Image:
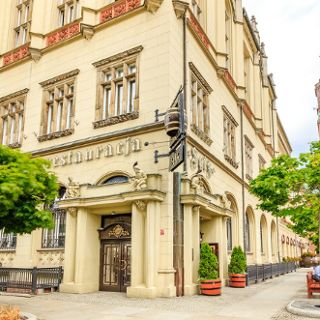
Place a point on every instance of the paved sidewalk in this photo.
(262, 301)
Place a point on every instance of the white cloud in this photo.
(290, 30)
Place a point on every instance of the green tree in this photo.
(26, 187)
(290, 187)
(208, 265)
(238, 262)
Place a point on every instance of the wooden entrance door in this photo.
(115, 273)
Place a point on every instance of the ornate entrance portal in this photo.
(115, 256)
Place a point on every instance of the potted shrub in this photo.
(208, 272)
(237, 268)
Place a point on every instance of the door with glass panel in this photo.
(115, 273)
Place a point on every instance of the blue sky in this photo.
(290, 30)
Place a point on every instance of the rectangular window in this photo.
(229, 137)
(23, 22)
(117, 90)
(57, 117)
(67, 11)
(12, 114)
(248, 158)
(200, 106)
(8, 241)
(55, 238)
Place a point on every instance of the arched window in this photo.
(261, 237)
(115, 180)
(229, 233)
(247, 244)
(273, 238)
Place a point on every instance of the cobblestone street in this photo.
(262, 301)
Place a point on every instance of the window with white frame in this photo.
(68, 11)
(55, 238)
(247, 243)
(12, 118)
(248, 147)
(229, 137)
(199, 105)
(229, 233)
(7, 240)
(23, 22)
(58, 106)
(117, 92)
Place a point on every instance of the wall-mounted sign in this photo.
(123, 148)
(176, 156)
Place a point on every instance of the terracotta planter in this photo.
(237, 280)
(211, 287)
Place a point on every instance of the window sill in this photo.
(9, 250)
(115, 120)
(15, 145)
(248, 253)
(202, 135)
(55, 135)
(50, 249)
(231, 161)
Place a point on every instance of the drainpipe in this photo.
(242, 176)
(178, 209)
(274, 148)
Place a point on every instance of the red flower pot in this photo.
(210, 287)
(237, 280)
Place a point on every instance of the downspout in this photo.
(242, 177)
(274, 148)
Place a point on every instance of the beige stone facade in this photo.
(80, 85)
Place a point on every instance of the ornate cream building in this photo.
(86, 84)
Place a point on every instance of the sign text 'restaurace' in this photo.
(124, 148)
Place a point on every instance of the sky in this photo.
(290, 30)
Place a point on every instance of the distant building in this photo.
(80, 85)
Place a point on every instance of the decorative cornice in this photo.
(13, 95)
(225, 74)
(16, 54)
(116, 119)
(108, 136)
(203, 136)
(118, 56)
(153, 5)
(180, 8)
(55, 135)
(117, 9)
(63, 33)
(60, 78)
(196, 27)
(200, 77)
(229, 115)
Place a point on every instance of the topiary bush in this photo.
(238, 262)
(208, 266)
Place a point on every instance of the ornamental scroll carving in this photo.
(139, 180)
(73, 189)
(200, 163)
(116, 231)
(63, 34)
(16, 55)
(117, 9)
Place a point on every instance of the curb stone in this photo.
(304, 308)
